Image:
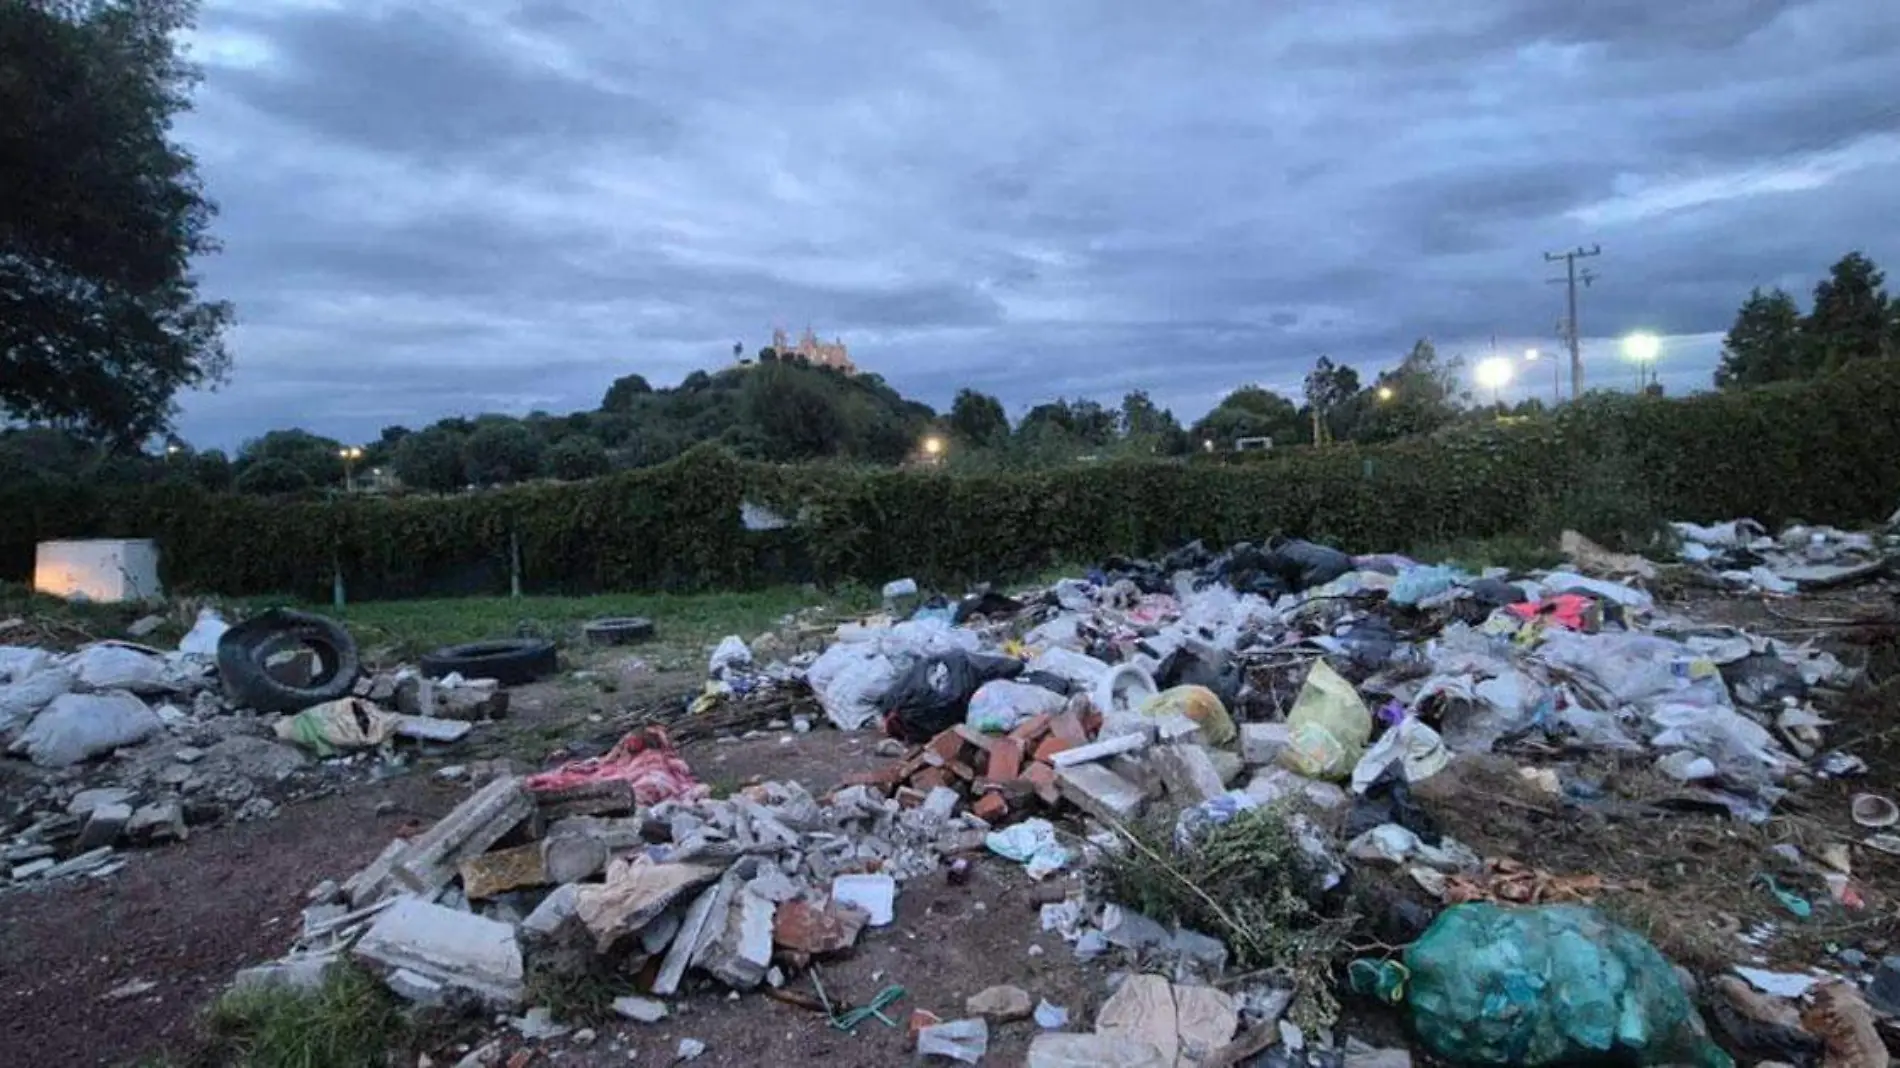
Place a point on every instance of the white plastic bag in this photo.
(20, 661)
(77, 726)
(110, 666)
(732, 652)
(202, 639)
(1000, 706)
(1081, 669)
(20, 700)
(849, 680)
(1418, 748)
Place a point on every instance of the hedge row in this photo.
(1826, 451)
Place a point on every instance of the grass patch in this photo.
(586, 997)
(1518, 552)
(349, 1022)
(1246, 882)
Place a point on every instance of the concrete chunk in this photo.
(104, 826)
(616, 833)
(301, 974)
(1261, 743)
(474, 826)
(430, 729)
(713, 899)
(373, 882)
(503, 870)
(1099, 792)
(743, 950)
(460, 950)
(569, 859)
(639, 1009)
(1187, 773)
(633, 896)
(85, 801)
(162, 822)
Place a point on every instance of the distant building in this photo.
(832, 354)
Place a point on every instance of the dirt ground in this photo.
(186, 918)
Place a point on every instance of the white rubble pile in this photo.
(1744, 556)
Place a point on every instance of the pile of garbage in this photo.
(1742, 555)
(122, 744)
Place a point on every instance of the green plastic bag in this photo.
(1328, 726)
(1538, 985)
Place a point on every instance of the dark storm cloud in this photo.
(435, 208)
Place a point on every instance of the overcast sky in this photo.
(501, 205)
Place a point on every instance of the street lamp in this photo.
(933, 446)
(1385, 393)
(1494, 374)
(350, 454)
(1643, 349)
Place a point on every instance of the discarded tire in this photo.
(510, 662)
(622, 631)
(246, 649)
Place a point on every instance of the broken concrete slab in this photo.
(1188, 774)
(300, 974)
(742, 950)
(373, 882)
(160, 822)
(468, 831)
(430, 729)
(634, 894)
(699, 915)
(85, 801)
(569, 859)
(103, 826)
(616, 833)
(1100, 792)
(460, 950)
(1058, 1050)
(417, 988)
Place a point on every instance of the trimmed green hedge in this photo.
(1825, 451)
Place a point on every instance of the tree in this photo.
(575, 458)
(431, 460)
(318, 457)
(1249, 412)
(269, 477)
(1328, 388)
(796, 417)
(212, 470)
(978, 420)
(498, 453)
(1417, 397)
(1765, 344)
(1851, 316)
(100, 318)
(624, 393)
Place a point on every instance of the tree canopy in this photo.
(1852, 318)
(101, 322)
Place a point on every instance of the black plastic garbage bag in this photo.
(1389, 800)
(934, 695)
(1048, 680)
(1305, 564)
(1216, 671)
(989, 604)
(1248, 569)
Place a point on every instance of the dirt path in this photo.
(185, 917)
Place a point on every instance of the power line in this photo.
(1569, 329)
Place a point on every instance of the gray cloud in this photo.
(435, 208)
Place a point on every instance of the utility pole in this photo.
(1571, 333)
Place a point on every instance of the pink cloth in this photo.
(645, 759)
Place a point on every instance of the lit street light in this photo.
(1385, 393)
(350, 455)
(1643, 350)
(933, 447)
(1494, 374)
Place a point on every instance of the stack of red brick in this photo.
(999, 775)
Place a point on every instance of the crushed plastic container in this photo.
(1540, 985)
(1197, 703)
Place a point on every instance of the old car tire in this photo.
(619, 631)
(245, 648)
(511, 661)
